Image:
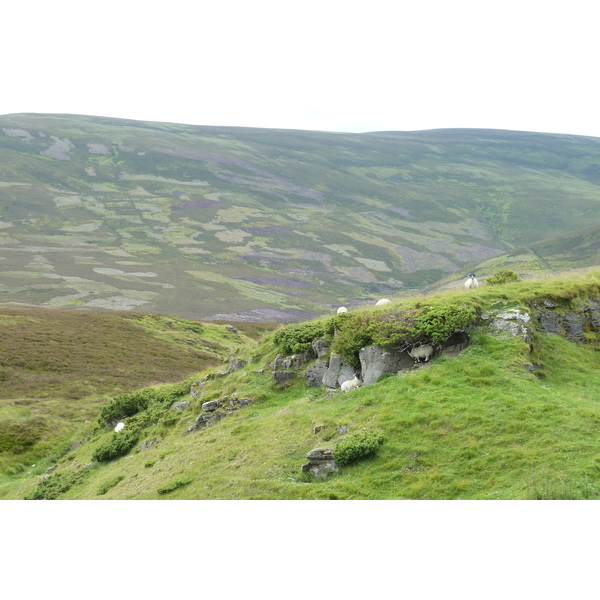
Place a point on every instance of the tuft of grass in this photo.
(175, 484)
(108, 485)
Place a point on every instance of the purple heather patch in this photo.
(278, 282)
(187, 204)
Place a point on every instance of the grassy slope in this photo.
(58, 367)
(478, 426)
(201, 221)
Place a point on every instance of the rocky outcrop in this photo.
(375, 361)
(314, 373)
(215, 410)
(337, 372)
(513, 321)
(571, 324)
(321, 463)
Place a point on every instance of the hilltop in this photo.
(255, 224)
(500, 412)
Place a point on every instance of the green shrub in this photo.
(109, 485)
(357, 446)
(54, 485)
(173, 485)
(397, 329)
(127, 405)
(119, 444)
(440, 322)
(298, 338)
(504, 276)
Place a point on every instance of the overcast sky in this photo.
(367, 65)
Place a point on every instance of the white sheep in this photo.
(119, 426)
(421, 352)
(342, 309)
(382, 302)
(350, 384)
(471, 282)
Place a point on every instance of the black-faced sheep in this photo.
(471, 282)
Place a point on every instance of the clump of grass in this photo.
(175, 484)
(109, 484)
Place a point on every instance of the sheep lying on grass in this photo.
(119, 426)
(420, 352)
(342, 309)
(351, 384)
(471, 282)
(382, 302)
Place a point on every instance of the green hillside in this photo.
(503, 419)
(258, 224)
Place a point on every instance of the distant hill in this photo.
(265, 224)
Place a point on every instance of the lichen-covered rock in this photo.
(320, 463)
(210, 406)
(513, 321)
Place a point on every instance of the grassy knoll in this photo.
(476, 426)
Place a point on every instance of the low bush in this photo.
(109, 485)
(298, 338)
(173, 485)
(397, 329)
(119, 444)
(127, 405)
(51, 487)
(357, 446)
(504, 276)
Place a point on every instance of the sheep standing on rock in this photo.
(471, 282)
(382, 302)
(351, 384)
(421, 352)
(342, 309)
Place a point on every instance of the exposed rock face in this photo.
(215, 410)
(513, 321)
(210, 406)
(570, 324)
(375, 361)
(337, 372)
(320, 463)
(321, 347)
(180, 405)
(236, 364)
(314, 374)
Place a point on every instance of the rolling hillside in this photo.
(255, 224)
(513, 415)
